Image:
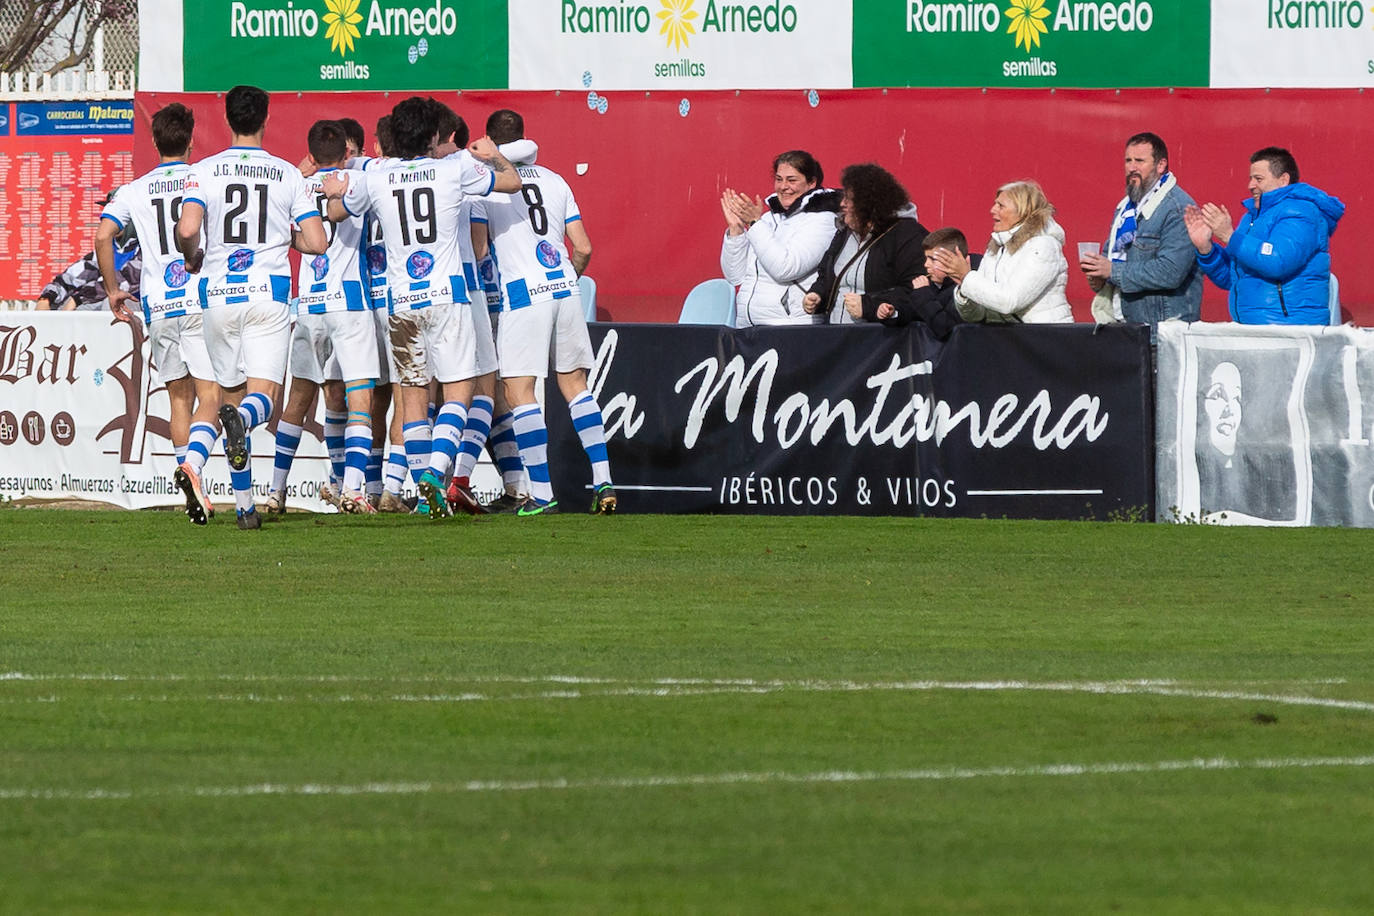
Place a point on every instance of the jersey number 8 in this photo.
(539, 217)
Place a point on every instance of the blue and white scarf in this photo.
(1124, 222)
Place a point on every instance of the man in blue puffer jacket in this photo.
(1276, 262)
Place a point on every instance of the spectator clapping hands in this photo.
(740, 211)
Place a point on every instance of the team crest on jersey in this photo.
(548, 255)
(241, 259)
(376, 259)
(320, 266)
(419, 264)
(175, 276)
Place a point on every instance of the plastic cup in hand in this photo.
(1087, 248)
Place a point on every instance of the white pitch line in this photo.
(578, 679)
(934, 774)
(309, 678)
(671, 687)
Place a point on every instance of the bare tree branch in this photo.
(28, 26)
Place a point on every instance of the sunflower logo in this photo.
(342, 18)
(1025, 18)
(677, 16)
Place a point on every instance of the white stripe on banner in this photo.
(161, 38)
(1034, 492)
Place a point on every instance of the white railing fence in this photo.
(33, 86)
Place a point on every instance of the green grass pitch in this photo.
(683, 715)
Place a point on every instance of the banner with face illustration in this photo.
(1265, 425)
(1012, 421)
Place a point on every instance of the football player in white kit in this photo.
(453, 138)
(388, 447)
(249, 205)
(171, 310)
(334, 343)
(417, 199)
(542, 307)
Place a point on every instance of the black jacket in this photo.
(932, 304)
(894, 259)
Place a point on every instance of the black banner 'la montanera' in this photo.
(1015, 421)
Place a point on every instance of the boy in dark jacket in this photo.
(933, 301)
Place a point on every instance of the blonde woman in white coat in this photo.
(1023, 274)
(772, 247)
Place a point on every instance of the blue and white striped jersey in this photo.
(374, 251)
(334, 281)
(251, 200)
(526, 231)
(417, 202)
(152, 202)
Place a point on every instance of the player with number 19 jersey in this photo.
(417, 202)
(251, 200)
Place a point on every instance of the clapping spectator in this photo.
(1276, 263)
(1023, 275)
(772, 247)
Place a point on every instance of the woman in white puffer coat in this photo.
(1023, 274)
(772, 247)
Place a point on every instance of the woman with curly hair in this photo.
(772, 246)
(875, 254)
(1023, 274)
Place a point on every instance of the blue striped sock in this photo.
(198, 447)
(242, 482)
(334, 443)
(475, 433)
(591, 429)
(448, 432)
(505, 453)
(288, 441)
(255, 409)
(532, 438)
(357, 451)
(373, 475)
(395, 476)
(419, 442)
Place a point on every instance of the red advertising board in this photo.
(648, 169)
(57, 162)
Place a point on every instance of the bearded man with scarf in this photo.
(1149, 270)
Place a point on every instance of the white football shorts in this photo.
(526, 337)
(178, 348)
(435, 342)
(334, 346)
(247, 341)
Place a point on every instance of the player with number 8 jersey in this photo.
(542, 310)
